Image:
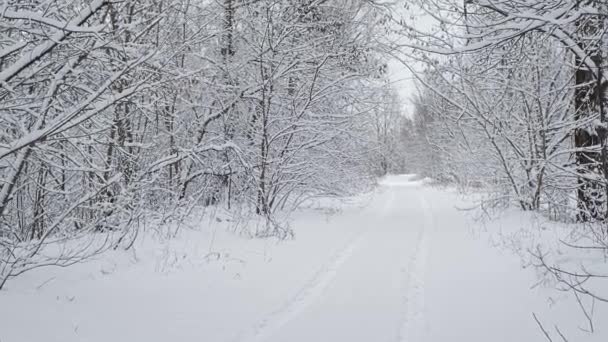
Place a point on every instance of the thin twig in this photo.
(541, 327)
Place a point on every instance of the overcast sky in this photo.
(400, 75)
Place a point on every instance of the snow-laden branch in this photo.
(71, 26)
(48, 45)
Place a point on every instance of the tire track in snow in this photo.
(265, 328)
(414, 325)
(390, 202)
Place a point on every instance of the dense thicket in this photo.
(114, 111)
(513, 98)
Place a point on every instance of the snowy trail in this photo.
(370, 286)
(414, 324)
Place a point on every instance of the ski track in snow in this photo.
(314, 289)
(305, 297)
(413, 327)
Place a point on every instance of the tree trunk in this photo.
(591, 195)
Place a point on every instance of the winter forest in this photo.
(303, 170)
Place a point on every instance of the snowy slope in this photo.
(403, 265)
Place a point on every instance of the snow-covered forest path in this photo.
(368, 290)
(406, 265)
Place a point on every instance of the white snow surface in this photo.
(403, 264)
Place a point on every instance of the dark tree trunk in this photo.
(591, 163)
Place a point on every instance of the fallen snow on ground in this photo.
(402, 264)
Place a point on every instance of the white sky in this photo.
(399, 74)
(403, 80)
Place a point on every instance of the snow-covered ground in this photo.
(402, 264)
